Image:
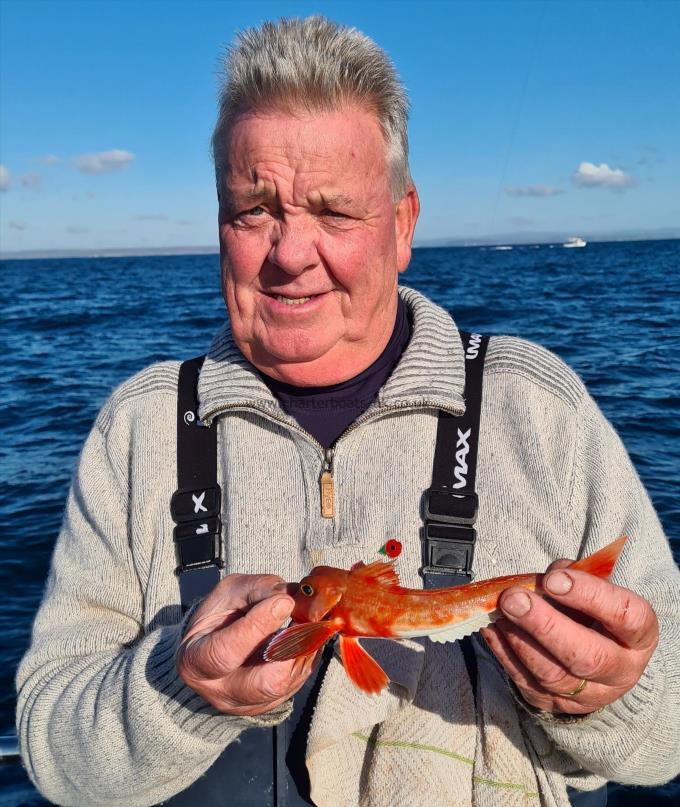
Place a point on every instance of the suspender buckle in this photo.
(446, 506)
(189, 504)
(198, 543)
(449, 549)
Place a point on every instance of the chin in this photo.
(295, 346)
(278, 355)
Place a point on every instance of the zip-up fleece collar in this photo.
(430, 373)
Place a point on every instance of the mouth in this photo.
(294, 301)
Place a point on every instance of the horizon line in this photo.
(511, 240)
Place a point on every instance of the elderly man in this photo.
(322, 399)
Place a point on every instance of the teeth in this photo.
(291, 300)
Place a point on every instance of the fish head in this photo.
(318, 593)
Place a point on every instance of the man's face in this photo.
(311, 243)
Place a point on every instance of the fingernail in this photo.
(517, 604)
(281, 609)
(558, 583)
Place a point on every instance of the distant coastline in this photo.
(509, 239)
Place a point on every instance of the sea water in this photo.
(75, 328)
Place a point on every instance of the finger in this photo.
(232, 596)
(501, 648)
(271, 682)
(625, 615)
(531, 689)
(224, 651)
(545, 669)
(242, 591)
(257, 689)
(562, 563)
(582, 651)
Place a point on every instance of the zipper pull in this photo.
(326, 483)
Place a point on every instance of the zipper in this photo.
(326, 486)
(326, 482)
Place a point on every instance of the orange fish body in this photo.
(368, 601)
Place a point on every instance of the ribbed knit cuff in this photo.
(607, 740)
(543, 715)
(188, 709)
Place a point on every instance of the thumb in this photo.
(562, 563)
(223, 651)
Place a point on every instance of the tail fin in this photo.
(602, 562)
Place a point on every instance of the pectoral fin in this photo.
(363, 671)
(299, 640)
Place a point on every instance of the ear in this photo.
(405, 218)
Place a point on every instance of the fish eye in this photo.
(307, 590)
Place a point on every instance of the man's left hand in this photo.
(549, 654)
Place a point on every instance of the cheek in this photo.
(358, 260)
(242, 255)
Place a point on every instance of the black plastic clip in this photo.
(449, 549)
(446, 506)
(195, 504)
(198, 543)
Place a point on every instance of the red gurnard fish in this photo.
(368, 601)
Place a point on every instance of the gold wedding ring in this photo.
(576, 691)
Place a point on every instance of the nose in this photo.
(293, 247)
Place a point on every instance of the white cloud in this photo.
(533, 190)
(30, 180)
(17, 225)
(104, 161)
(4, 178)
(50, 159)
(589, 175)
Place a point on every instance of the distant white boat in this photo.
(502, 248)
(574, 242)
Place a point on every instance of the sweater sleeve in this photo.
(102, 715)
(634, 740)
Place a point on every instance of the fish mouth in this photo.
(292, 589)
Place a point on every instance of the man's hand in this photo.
(548, 653)
(216, 658)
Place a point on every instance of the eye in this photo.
(307, 590)
(246, 217)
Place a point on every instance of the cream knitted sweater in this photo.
(102, 716)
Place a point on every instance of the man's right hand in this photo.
(216, 659)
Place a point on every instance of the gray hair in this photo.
(314, 64)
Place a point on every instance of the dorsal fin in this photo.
(379, 572)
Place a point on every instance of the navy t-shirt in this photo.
(325, 412)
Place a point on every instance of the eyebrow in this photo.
(253, 195)
(337, 199)
(248, 196)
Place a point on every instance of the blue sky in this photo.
(528, 117)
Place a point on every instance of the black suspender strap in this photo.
(451, 503)
(195, 505)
